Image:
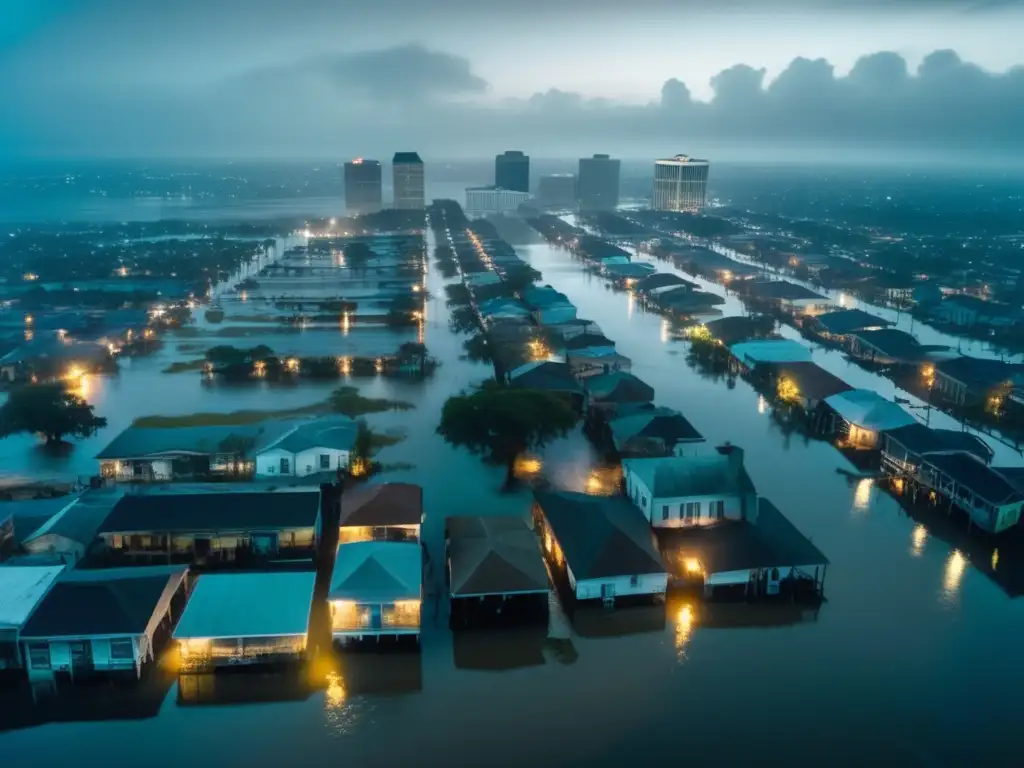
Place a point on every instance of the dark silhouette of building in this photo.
(598, 183)
(512, 171)
(408, 181)
(363, 186)
(557, 191)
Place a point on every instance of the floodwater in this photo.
(914, 658)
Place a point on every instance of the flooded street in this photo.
(912, 656)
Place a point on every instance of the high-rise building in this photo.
(408, 181)
(512, 171)
(484, 200)
(557, 191)
(363, 186)
(680, 184)
(598, 183)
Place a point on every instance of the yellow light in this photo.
(726, 275)
(193, 646)
(862, 496)
(345, 323)
(528, 465)
(148, 333)
(345, 363)
(955, 566)
(336, 693)
(292, 364)
(29, 319)
(30, 276)
(123, 272)
(762, 404)
(787, 390)
(75, 372)
(684, 626)
(594, 484)
(379, 365)
(630, 282)
(417, 315)
(244, 296)
(693, 566)
(918, 539)
(417, 288)
(260, 367)
(897, 484)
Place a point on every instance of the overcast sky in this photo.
(325, 78)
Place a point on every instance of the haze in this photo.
(453, 78)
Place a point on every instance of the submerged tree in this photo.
(49, 410)
(500, 423)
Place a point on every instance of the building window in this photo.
(39, 655)
(664, 512)
(285, 467)
(325, 461)
(643, 500)
(122, 649)
(634, 581)
(719, 509)
(696, 509)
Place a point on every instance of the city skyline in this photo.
(113, 78)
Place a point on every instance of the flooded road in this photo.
(913, 658)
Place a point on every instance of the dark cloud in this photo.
(371, 102)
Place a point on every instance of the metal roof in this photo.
(868, 410)
(672, 476)
(770, 351)
(849, 320)
(378, 572)
(21, 590)
(232, 605)
(382, 504)
(142, 442)
(494, 555)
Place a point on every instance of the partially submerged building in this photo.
(786, 296)
(859, 416)
(104, 621)
(608, 391)
(653, 431)
(242, 528)
(381, 512)
(68, 535)
(989, 500)
(495, 570)
(839, 325)
(549, 376)
(747, 356)
(601, 544)
(309, 448)
(904, 448)
(805, 384)
(22, 588)
(246, 618)
(376, 590)
(977, 381)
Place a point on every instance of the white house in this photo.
(21, 590)
(602, 545)
(324, 445)
(677, 492)
(110, 620)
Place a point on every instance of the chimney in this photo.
(748, 495)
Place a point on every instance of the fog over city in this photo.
(455, 79)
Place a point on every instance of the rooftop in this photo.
(600, 536)
(973, 474)
(80, 519)
(849, 320)
(117, 601)
(378, 572)
(619, 387)
(141, 442)
(812, 381)
(382, 504)
(898, 345)
(770, 351)
(782, 290)
(336, 432)
(214, 512)
(868, 410)
(407, 157)
(979, 372)
(494, 555)
(21, 589)
(661, 280)
(584, 340)
(921, 440)
(233, 605)
(672, 476)
(730, 330)
(544, 374)
(773, 541)
(664, 424)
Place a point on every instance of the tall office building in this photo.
(512, 171)
(680, 184)
(408, 181)
(363, 186)
(481, 201)
(557, 191)
(598, 183)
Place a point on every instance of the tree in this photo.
(414, 351)
(362, 449)
(50, 410)
(499, 423)
(357, 255)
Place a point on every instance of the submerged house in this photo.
(254, 526)
(748, 356)
(762, 555)
(376, 590)
(904, 448)
(889, 346)
(547, 305)
(676, 492)
(642, 431)
(990, 501)
(602, 545)
(786, 296)
(977, 381)
(963, 311)
(246, 618)
(22, 588)
(839, 325)
(731, 330)
(608, 391)
(157, 454)
(660, 281)
(859, 416)
(67, 536)
(805, 384)
(104, 621)
(381, 512)
(495, 570)
(322, 445)
(550, 376)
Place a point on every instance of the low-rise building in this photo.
(481, 201)
(888, 346)
(381, 512)
(495, 570)
(963, 311)
(601, 545)
(989, 500)
(786, 296)
(976, 381)
(103, 621)
(236, 529)
(859, 416)
(323, 445)
(376, 590)
(654, 431)
(246, 618)
(904, 448)
(805, 384)
(676, 492)
(837, 326)
(747, 356)
(22, 588)
(549, 376)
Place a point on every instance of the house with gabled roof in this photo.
(376, 590)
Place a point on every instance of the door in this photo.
(773, 582)
(264, 543)
(202, 547)
(607, 592)
(376, 620)
(81, 657)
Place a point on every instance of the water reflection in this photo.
(684, 628)
(762, 405)
(501, 649)
(630, 305)
(666, 331)
(918, 539)
(862, 496)
(244, 687)
(955, 566)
